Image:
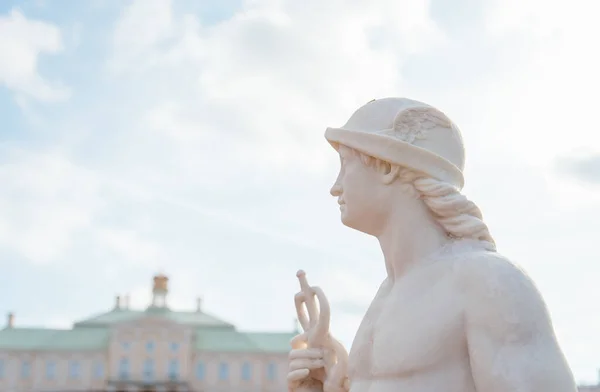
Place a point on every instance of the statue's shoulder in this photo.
(499, 299)
(488, 274)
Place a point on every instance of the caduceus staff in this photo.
(316, 334)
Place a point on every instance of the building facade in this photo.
(152, 350)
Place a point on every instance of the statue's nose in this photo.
(336, 190)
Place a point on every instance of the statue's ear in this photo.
(391, 174)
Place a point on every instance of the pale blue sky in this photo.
(158, 135)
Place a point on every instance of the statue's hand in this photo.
(315, 369)
(306, 364)
(317, 362)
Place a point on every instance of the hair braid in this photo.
(459, 216)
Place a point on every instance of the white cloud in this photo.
(533, 16)
(45, 200)
(49, 203)
(583, 167)
(129, 246)
(22, 41)
(142, 27)
(231, 77)
(552, 94)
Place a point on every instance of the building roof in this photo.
(222, 340)
(39, 339)
(211, 333)
(116, 316)
(230, 340)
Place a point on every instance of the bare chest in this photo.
(413, 327)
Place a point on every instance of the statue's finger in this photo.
(297, 375)
(302, 363)
(306, 353)
(299, 301)
(297, 342)
(311, 307)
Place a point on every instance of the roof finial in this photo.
(10, 320)
(159, 290)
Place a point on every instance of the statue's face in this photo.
(362, 195)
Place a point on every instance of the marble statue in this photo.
(452, 315)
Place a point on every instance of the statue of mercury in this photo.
(452, 314)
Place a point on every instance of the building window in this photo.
(173, 369)
(124, 369)
(200, 371)
(25, 369)
(2, 364)
(74, 369)
(50, 370)
(98, 370)
(246, 371)
(223, 371)
(150, 347)
(271, 371)
(125, 346)
(174, 346)
(148, 370)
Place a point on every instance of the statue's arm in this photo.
(511, 341)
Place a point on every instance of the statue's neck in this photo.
(409, 239)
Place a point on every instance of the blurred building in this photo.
(151, 350)
(590, 388)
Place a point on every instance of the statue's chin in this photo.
(351, 223)
(344, 217)
(357, 223)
